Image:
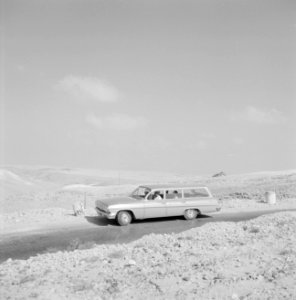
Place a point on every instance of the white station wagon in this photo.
(156, 201)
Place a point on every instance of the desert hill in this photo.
(25, 187)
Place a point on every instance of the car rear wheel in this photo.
(123, 218)
(190, 214)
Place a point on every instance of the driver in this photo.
(157, 196)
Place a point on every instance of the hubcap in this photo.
(125, 218)
(190, 213)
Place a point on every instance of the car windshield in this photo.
(140, 192)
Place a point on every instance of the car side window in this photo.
(173, 194)
(156, 195)
(201, 192)
(198, 192)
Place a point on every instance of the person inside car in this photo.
(157, 196)
(176, 195)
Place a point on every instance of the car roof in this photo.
(170, 186)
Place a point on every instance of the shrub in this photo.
(254, 229)
(73, 245)
(116, 254)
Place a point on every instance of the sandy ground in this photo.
(246, 260)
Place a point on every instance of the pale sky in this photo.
(194, 86)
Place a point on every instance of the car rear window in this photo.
(195, 192)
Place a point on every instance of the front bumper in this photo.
(108, 215)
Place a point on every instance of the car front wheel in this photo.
(190, 214)
(123, 218)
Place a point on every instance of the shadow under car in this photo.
(101, 221)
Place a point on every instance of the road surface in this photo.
(102, 231)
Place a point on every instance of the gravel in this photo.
(255, 259)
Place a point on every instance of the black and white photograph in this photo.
(148, 149)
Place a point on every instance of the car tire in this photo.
(190, 214)
(123, 218)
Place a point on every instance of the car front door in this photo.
(155, 207)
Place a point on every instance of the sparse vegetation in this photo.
(117, 254)
(27, 278)
(90, 259)
(285, 252)
(254, 229)
(82, 285)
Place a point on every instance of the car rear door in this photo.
(174, 202)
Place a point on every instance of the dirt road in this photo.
(102, 231)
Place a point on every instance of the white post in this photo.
(270, 197)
